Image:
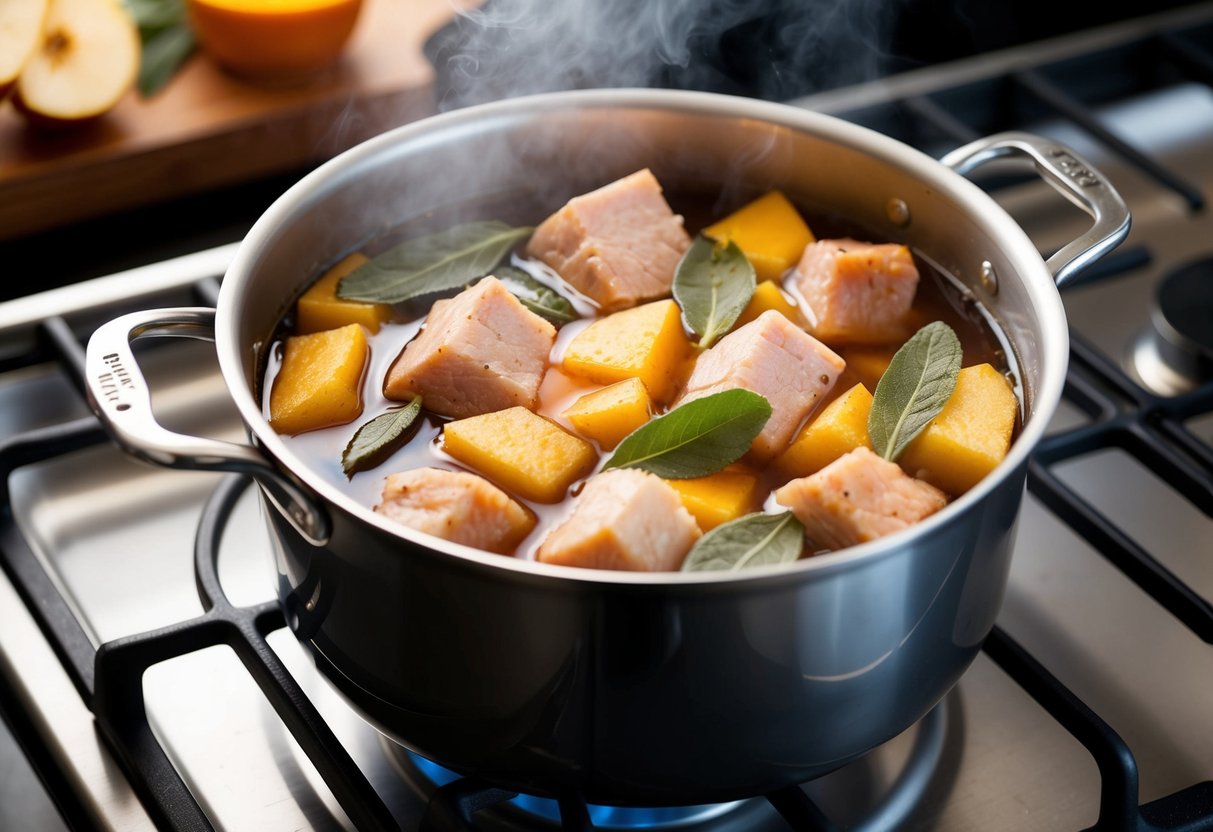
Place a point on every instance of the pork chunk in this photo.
(619, 244)
(858, 497)
(772, 357)
(457, 506)
(624, 519)
(479, 352)
(856, 291)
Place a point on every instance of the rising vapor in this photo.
(767, 49)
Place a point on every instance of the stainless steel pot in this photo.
(629, 688)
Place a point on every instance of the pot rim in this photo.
(1030, 270)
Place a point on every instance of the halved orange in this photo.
(280, 39)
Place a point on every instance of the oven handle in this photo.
(119, 395)
(1074, 178)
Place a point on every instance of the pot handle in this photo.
(1073, 178)
(119, 395)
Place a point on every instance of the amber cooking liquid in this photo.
(939, 297)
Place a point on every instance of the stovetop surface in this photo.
(117, 538)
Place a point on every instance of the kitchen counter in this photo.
(207, 129)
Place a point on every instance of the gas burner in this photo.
(859, 796)
(1175, 354)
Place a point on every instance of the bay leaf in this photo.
(377, 439)
(698, 438)
(915, 387)
(538, 297)
(754, 540)
(449, 259)
(712, 284)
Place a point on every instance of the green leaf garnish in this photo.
(538, 297)
(753, 540)
(377, 439)
(166, 40)
(918, 383)
(698, 438)
(163, 53)
(153, 15)
(449, 259)
(713, 284)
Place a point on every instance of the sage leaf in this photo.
(538, 297)
(698, 438)
(712, 284)
(377, 439)
(753, 540)
(437, 262)
(918, 383)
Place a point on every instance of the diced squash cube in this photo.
(971, 434)
(320, 381)
(319, 308)
(767, 295)
(609, 414)
(841, 427)
(720, 497)
(769, 230)
(646, 342)
(868, 363)
(523, 453)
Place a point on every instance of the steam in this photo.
(767, 49)
(524, 168)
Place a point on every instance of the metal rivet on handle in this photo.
(989, 278)
(898, 212)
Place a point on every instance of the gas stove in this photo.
(151, 677)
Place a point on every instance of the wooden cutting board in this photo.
(207, 129)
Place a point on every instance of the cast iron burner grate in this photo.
(111, 679)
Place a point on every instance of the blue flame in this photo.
(603, 817)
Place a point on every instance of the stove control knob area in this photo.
(1176, 353)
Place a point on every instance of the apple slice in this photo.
(20, 27)
(87, 59)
